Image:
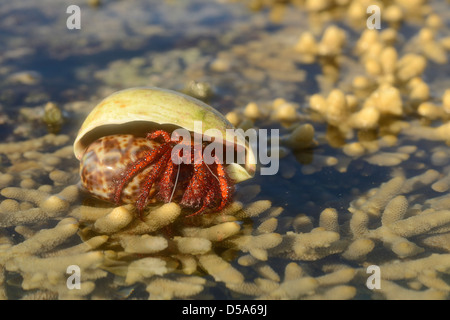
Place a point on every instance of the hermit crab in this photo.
(142, 145)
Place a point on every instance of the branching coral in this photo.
(398, 224)
(142, 269)
(114, 240)
(181, 287)
(220, 269)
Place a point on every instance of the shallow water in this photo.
(243, 56)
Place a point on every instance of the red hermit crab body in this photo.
(129, 155)
(125, 168)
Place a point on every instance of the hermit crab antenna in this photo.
(175, 184)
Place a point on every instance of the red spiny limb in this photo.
(166, 184)
(134, 168)
(196, 189)
(150, 180)
(207, 201)
(224, 185)
(159, 133)
(194, 193)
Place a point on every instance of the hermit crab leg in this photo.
(159, 133)
(196, 189)
(154, 174)
(135, 168)
(166, 184)
(206, 203)
(141, 164)
(198, 183)
(224, 185)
